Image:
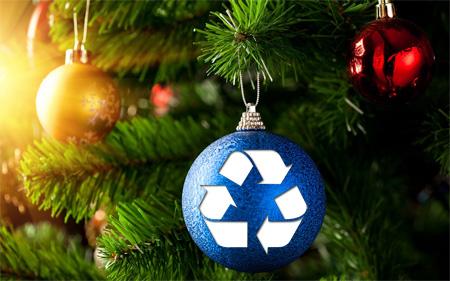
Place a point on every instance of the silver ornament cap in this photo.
(250, 120)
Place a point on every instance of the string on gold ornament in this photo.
(79, 51)
(85, 29)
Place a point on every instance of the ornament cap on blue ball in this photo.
(253, 201)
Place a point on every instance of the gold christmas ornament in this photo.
(78, 102)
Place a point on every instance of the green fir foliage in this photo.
(437, 138)
(359, 233)
(140, 157)
(270, 37)
(42, 252)
(299, 44)
(148, 241)
(249, 38)
(161, 32)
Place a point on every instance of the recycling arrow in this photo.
(279, 234)
(291, 203)
(216, 201)
(229, 234)
(268, 162)
(270, 165)
(276, 233)
(236, 168)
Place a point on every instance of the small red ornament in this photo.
(162, 98)
(38, 27)
(391, 61)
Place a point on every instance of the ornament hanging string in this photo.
(241, 80)
(85, 25)
(250, 119)
(86, 17)
(241, 83)
(75, 31)
(247, 105)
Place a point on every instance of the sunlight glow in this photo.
(3, 73)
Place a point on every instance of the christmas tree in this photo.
(179, 67)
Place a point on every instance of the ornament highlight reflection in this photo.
(391, 61)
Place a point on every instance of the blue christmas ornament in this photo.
(253, 201)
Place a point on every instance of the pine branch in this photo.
(436, 138)
(151, 50)
(126, 15)
(214, 271)
(155, 37)
(140, 241)
(138, 158)
(249, 38)
(327, 115)
(360, 224)
(279, 38)
(43, 252)
(148, 241)
(136, 37)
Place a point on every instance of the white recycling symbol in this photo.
(217, 200)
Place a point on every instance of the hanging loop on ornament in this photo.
(85, 26)
(76, 42)
(86, 20)
(247, 104)
(250, 119)
(385, 9)
(79, 53)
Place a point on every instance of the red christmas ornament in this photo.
(162, 98)
(38, 27)
(391, 61)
